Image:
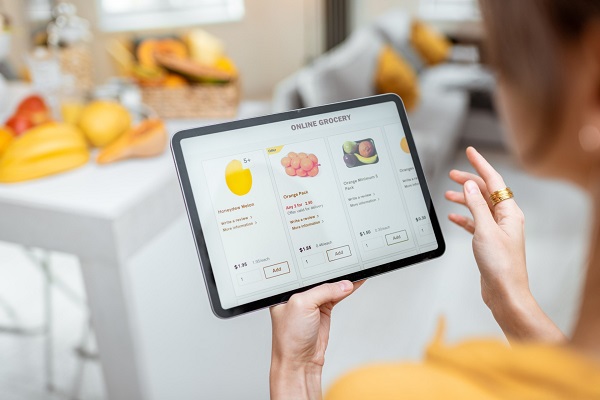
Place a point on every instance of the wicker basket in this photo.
(195, 101)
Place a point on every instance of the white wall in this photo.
(364, 11)
(367, 10)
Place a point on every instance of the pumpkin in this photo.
(149, 48)
(147, 139)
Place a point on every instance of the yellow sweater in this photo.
(477, 369)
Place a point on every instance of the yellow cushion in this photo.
(395, 75)
(431, 46)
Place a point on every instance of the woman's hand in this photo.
(499, 249)
(300, 337)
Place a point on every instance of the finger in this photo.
(478, 206)
(462, 221)
(493, 182)
(461, 177)
(322, 294)
(455, 197)
(459, 198)
(356, 286)
(492, 178)
(276, 310)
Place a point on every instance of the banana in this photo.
(44, 150)
(366, 160)
(43, 167)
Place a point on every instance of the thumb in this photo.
(478, 206)
(327, 293)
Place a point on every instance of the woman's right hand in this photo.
(300, 338)
(499, 249)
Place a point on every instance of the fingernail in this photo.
(471, 187)
(346, 286)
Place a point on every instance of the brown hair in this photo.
(526, 39)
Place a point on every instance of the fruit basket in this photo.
(194, 101)
(188, 76)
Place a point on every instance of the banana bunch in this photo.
(44, 150)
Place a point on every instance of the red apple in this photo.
(35, 109)
(32, 103)
(19, 123)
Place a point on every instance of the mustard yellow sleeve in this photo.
(403, 381)
(477, 369)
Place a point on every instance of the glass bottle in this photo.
(70, 35)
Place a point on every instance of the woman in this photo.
(547, 53)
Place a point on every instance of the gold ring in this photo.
(501, 195)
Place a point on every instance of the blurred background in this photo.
(101, 293)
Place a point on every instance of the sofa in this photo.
(347, 72)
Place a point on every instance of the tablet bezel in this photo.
(192, 212)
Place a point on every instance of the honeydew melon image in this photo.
(238, 178)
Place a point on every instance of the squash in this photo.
(193, 71)
(145, 53)
(149, 48)
(147, 139)
(172, 47)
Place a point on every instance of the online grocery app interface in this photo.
(297, 202)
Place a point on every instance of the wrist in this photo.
(522, 319)
(507, 303)
(295, 380)
(513, 309)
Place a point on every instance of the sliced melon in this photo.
(194, 71)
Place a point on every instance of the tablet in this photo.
(285, 202)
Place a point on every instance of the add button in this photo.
(277, 269)
(396, 237)
(338, 252)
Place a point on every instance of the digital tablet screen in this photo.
(292, 203)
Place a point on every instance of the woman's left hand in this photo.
(300, 337)
(499, 249)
